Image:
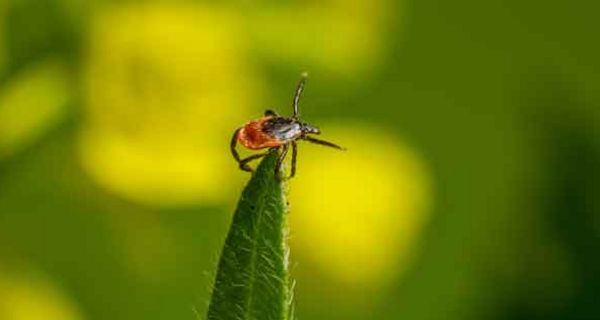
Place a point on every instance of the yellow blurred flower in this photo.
(30, 103)
(167, 84)
(343, 37)
(28, 296)
(357, 213)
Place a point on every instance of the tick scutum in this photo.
(283, 129)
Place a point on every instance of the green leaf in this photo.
(252, 279)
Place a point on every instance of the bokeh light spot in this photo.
(357, 213)
(342, 37)
(28, 296)
(167, 84)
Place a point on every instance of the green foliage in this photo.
(252, 279)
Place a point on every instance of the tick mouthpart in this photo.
(307, 128)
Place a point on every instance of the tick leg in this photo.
(323, 142)
(244, 162)
(271, 113)
(284, 151)
(299, 90)
(232, 145)
(294, 155)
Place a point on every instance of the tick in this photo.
(276, 132)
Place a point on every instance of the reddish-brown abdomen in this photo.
(252, 136)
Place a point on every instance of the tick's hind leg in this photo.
(244, 162)
(284, 151)
(232, 145)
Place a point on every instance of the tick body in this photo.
(274, 131)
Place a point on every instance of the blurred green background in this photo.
(470, 189)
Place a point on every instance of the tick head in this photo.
(309, 129)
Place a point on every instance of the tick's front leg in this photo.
(294, 155)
